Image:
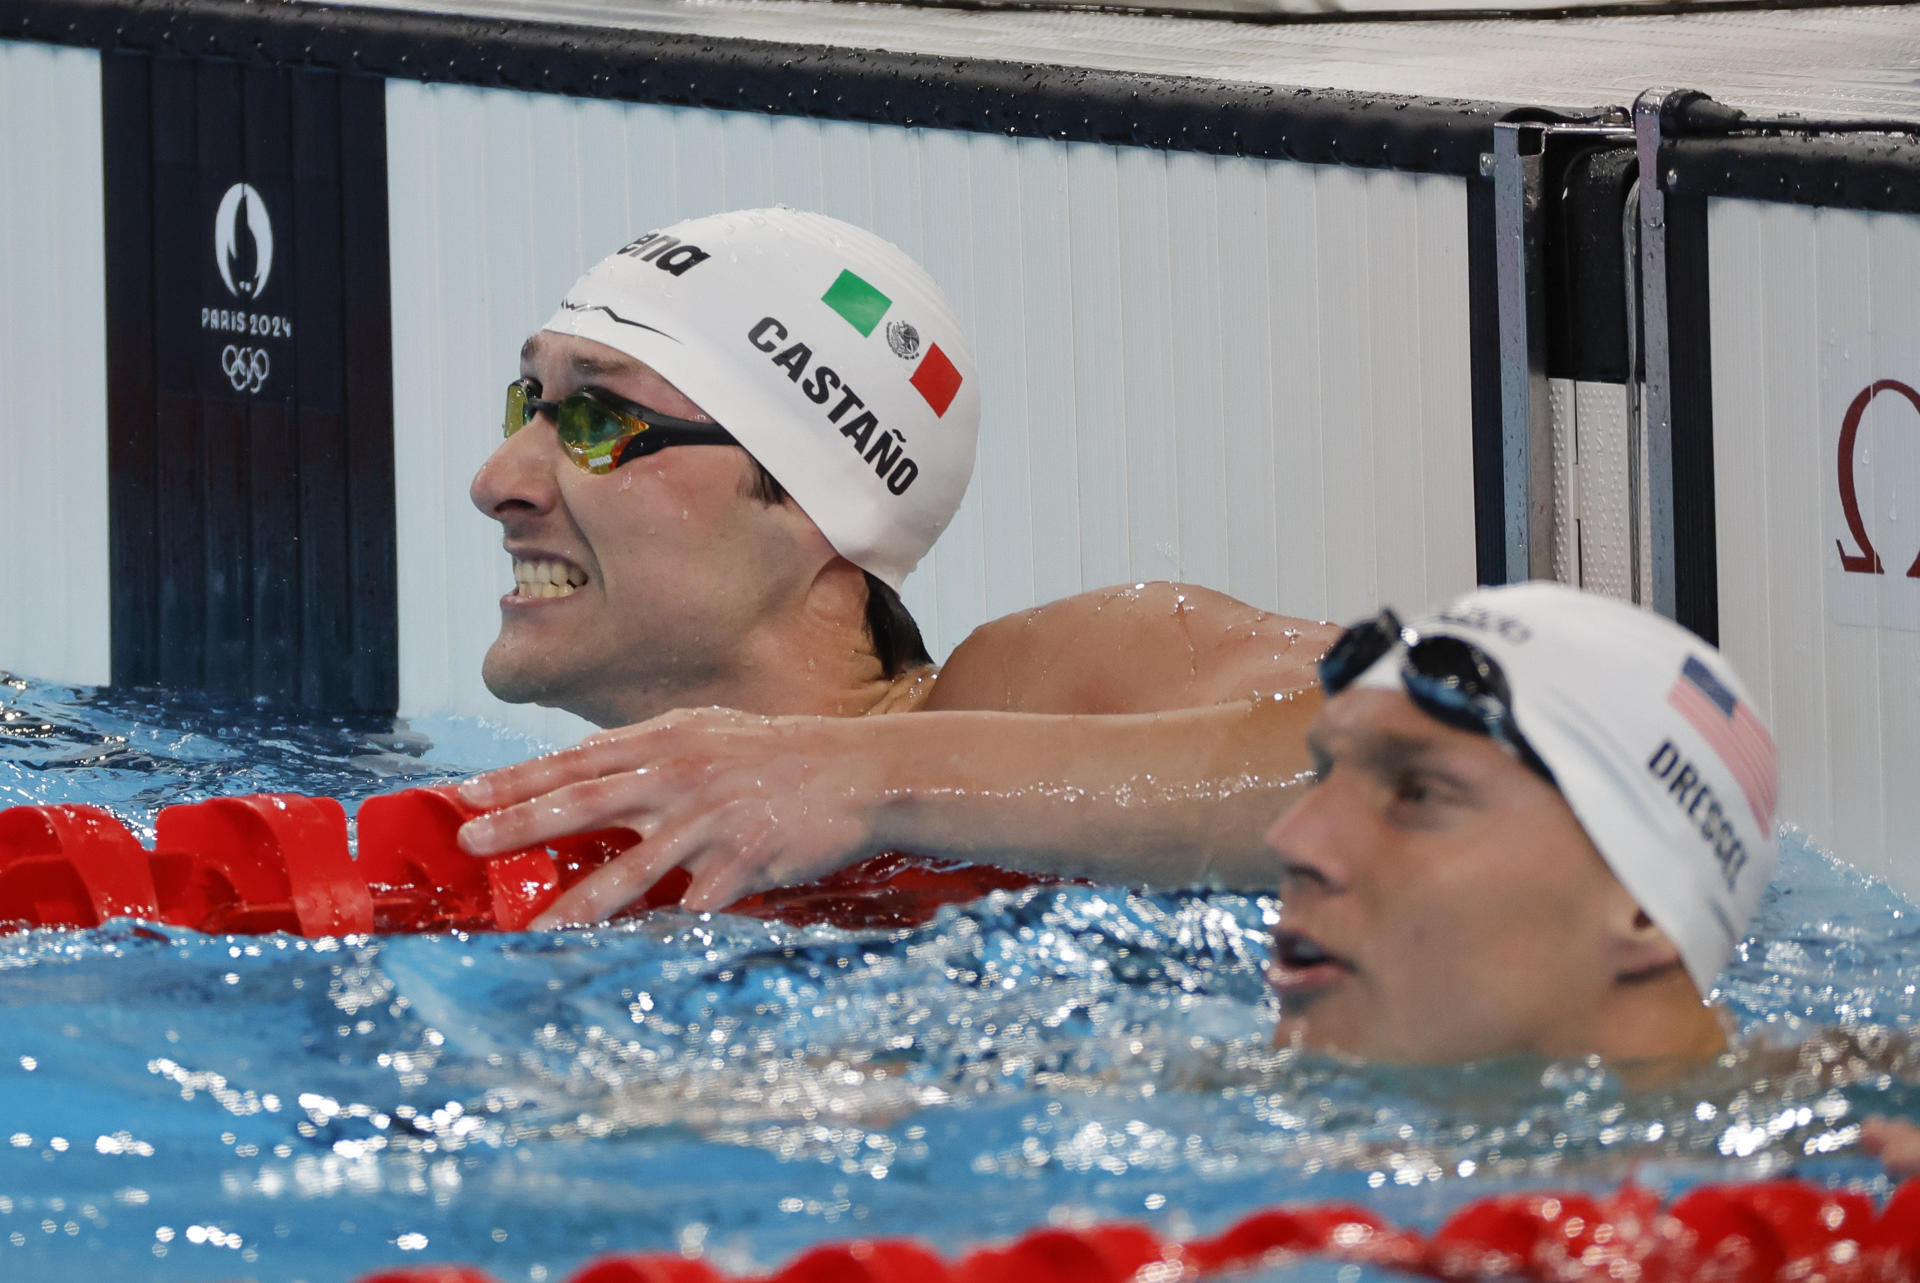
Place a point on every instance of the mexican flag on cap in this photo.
(863, 307)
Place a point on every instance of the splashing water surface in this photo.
(182, 1106)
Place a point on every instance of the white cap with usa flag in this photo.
(1653, 741)
(828, 353)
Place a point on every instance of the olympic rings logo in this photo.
(245, 367)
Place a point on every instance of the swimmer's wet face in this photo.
(1543, 822)
(643, 579)
(1440, 902)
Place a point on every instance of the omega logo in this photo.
(1867, 560)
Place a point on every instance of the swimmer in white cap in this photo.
(1542, 822)
(726, 450)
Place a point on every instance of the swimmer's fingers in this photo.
(722, 877)
(725, 849)
(608, 753)
(523, 781)
(1896, 1142)
(731, 851)
(612, 887)
(699, 845)
(630, 800)
(720, 880)
(757, 849)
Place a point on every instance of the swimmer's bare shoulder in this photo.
(1139, 648)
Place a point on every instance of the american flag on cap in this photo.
(1731, 729)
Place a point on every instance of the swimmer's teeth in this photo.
(546, 578)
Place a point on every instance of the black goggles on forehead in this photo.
(601, 431)
(1449, 679)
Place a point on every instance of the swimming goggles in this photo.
(1450, 680)
(601, 431)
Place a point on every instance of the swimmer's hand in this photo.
(743, 803)
(1895, 1142)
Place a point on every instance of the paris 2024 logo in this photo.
(243, 254)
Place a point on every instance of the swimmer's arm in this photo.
(1149, 733)
(1147, 648)
(746, 803)
(1135, 735)
(1167, 798)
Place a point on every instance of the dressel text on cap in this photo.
(884, 448)
(1691, 793)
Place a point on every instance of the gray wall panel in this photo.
(53, 487)
(1810, 308)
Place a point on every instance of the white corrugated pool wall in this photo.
(53, 336)
(1810, 308)
(1244, 374)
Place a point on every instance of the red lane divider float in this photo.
(281, 862)
(1772, 1232)
(72, 865)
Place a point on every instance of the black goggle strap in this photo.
(1358, 649)
(659, 433)
(1451, 680)
(1458, 684)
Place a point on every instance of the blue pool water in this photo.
(180, 1106)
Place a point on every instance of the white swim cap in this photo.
(826, 352)
(1654, 742)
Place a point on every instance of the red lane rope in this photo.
(1770, 1232)
(281, 862)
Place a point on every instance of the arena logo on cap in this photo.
(1483, 620)
(668, 253)
(863, 307)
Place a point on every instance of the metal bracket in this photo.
(1521, 169)
(1656, 398)
(1636, 432)
(1526, 414)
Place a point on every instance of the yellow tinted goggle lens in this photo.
(517, 415)
(595, 434)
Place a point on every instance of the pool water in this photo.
(182, 1106)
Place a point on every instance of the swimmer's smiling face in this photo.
(634, 590)
(1440, 902)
